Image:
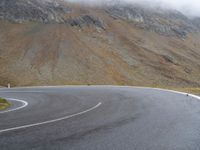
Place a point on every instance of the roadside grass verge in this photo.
(4, 104)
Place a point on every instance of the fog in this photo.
(188, 7)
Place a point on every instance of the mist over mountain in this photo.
(53, 42)
(163, 21)
(189, 8)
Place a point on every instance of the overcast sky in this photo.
(189, 7)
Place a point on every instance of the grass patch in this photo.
(4, 104)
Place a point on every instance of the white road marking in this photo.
(14, 109)
(183, 93)
(140, 87)
(51, 121)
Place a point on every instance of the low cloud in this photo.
(188, 7)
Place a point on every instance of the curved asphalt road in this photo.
(100, 118)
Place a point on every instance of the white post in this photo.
(9, 85)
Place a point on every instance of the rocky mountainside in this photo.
(165, 22)
(48, 42)
(45, 11)
(33, 10)
(170, 23)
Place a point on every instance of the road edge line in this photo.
(25, 104)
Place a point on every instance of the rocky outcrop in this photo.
(85, 20)
(45, 11)
(33, 10)
(165, 22)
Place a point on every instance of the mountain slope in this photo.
(53, 42)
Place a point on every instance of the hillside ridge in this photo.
(53, 42)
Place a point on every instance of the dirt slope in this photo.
(93, 47)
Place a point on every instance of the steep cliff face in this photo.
(52, 42)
